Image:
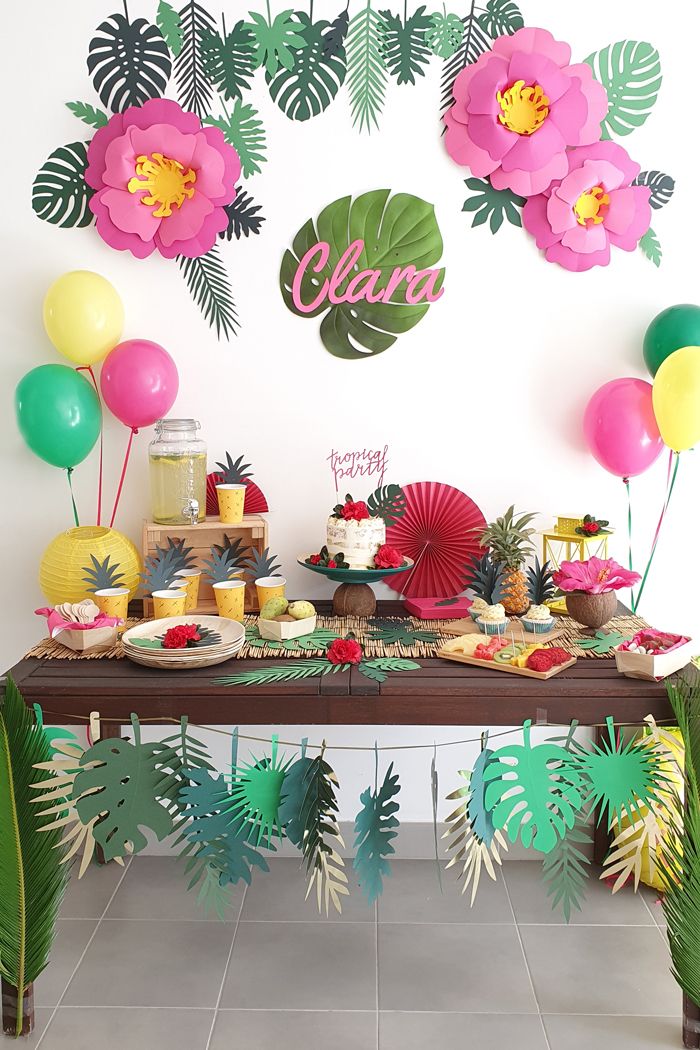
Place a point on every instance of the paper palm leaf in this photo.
(533, 792)
(321, 834)
(366, 71)
(282, 673)
(214, 895)
(32, 879)
(601, 643)
(256, 794)
(467, 849)
(401, 632)
(375, 826)
(377, 668)
(565, 869)
(124, 784)
(293, 792)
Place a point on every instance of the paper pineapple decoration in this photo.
(540, 583)
(509, 540)
(234, 473)
(226, 561)
(102, 575)
(485, 579)
(258, 565)
(160, 569)
(184, 554)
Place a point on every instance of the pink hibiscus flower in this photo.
(595, 576)
(161, 181)
(518, 108)
(593, 207)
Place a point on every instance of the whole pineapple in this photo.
(509, 540)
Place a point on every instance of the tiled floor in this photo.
(136, 968)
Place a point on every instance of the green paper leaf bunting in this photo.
(479, 815)
(319, 820)
(475, 42)
(60, 194)
(375, 826)
(168, 21)
(366, 71)
(96, 118)
(308, 86)
(489, 204)
(335, 37)
(276, 42)
(651, 247)
(229, 61)
(404, 46)
(129, 62)
(245, 132)
(565, 869)
(193, 87)
(256, 794)
(630, 72)
(501, 17)
(445, 34)
(210, 288)
(293, 792)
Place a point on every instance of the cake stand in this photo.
(354, 596)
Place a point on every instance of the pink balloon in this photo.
(139, 382)
(620, 427)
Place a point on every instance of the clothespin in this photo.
(94, 730)
(484, 739)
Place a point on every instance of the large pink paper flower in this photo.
(162, 181)
(595, 576)
(518, 108)
(594, 206)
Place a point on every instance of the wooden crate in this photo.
(201, 537)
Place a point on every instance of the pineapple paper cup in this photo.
(168, 603)
(231, 501)
(230, 599)
(112, 601)
(189, 579)
(269, 587)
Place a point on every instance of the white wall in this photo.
(486, 393)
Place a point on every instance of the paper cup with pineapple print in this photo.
(169, 603)
(231, 502)
(269, 587)
(230, 599)
(189, 579)
(112, 601)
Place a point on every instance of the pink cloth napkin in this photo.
(56, 623)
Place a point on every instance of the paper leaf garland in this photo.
(308, 86)
(434, 788)
(60, 194)
(276, 41)
(630, 72)
(475, 41)
(366, 70)
(210, 288)
(245, 132)
(492, 205)
(404, 46)
(129, 62)
(565, 868)
(533, 792)
(321, 836)
(501, 17)
(214, 895)
(168, 21)
(229, 60)
(293, 792)
(467, 849)
(335, 37)
(375, 826)
(479, 815)
(193, 88)
(445, 33)
(256, 794)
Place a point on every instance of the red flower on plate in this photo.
(352, 511)
(332, 564)
(315, 559)
(180, 637)
(388, 558)
(344, 651)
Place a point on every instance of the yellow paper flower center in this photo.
(166, 181)
(591, 207)
(524, 108)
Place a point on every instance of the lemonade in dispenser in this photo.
(178, 470)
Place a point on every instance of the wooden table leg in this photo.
(691, 1023)
(109, 731)
(9, 1009)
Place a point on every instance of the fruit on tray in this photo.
(545, 659)
(509, 653)
(509, 540)
(301, 610)
(488, 651)
(465, 644)
(274, 607)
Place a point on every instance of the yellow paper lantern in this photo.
(66, 557)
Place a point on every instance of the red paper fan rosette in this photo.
(255, 502)
(436, 531)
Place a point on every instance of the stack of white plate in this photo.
(232, 638)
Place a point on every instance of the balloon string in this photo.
(69, 471)
(88, 368)
(123, 475)
(669, 492)
(629, 532)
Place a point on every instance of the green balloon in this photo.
(58, 414)
(671, 330)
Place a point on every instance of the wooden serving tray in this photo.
(508, 668)
(515, 628)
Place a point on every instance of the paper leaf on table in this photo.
(398, 632)
(601, 643)
(375, 826)
(283, 673)
(121, 786)
(468, 852)
(377, 668)
(321, 836)
(533, 793)
(565, 868)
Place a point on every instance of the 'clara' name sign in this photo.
(369, 264)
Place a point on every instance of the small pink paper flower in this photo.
(161, 180)
(593, 207)
(518, 108)
(595, 576)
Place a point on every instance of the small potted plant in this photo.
(590, 587)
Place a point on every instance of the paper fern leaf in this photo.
(321, 835)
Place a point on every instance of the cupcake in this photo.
(538, 619)
(492, 620)
(477, 607)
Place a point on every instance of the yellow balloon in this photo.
(83, 316)
(676, 398)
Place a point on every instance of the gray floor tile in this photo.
(412, 894)
(653, 900)
(442, 967)
(88, 897)
(135, 963)
(71, 937)
(601, 906)
(302, 966)
(294, 1030)
(411, 1031)
(137, 1029)
(600, 969)
(278, 895)
(156, 888)
(621, 1033)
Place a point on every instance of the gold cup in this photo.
(113, 601)
(168, 603)
(230, 599)
(231, 503)
(189, 579)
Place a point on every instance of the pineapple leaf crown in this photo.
(219, 568)
(183, 555)
(509, 539)
(101, 574)
(232, 550)
(160, 569)
(260, 565)
(485, 578)
(234, 473)
(540, 583)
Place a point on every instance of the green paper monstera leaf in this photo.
(397, 231)
(309, 85)
(375, 827)
(630, 72)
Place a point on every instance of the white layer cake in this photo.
(359, 541)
